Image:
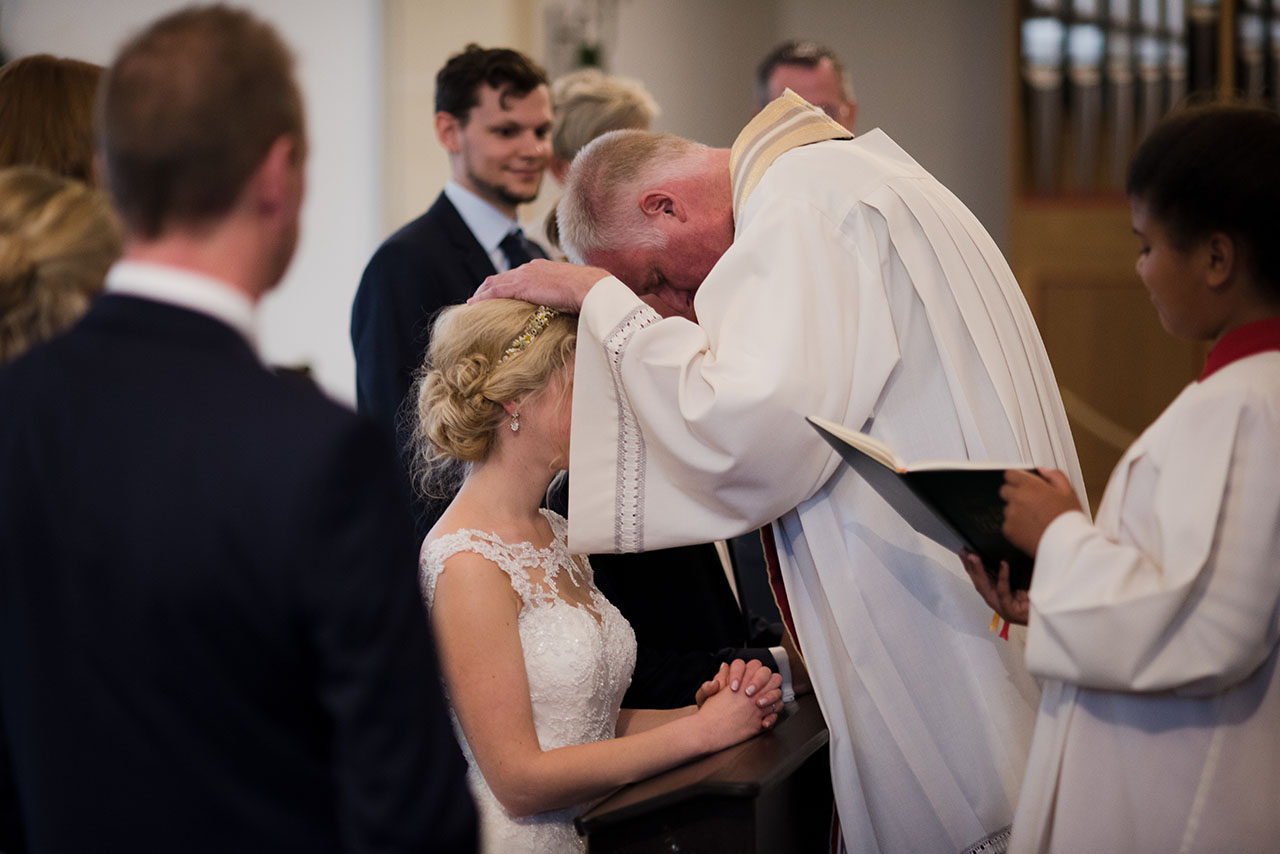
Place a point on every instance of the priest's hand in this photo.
(1031, 503)
(1013, 605)
(557, 284)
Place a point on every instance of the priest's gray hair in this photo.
(600, 209)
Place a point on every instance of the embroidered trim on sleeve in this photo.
(996, 843)
(628, 511)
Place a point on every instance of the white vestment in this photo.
(860, 290)
(1162, 620)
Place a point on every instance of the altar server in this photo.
(1155, 628)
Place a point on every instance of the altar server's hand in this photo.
(1031, 503)
(1013, 605)
(557, 284)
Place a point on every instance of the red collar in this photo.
(1256, 337)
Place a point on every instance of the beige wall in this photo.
(935, 77)
(698, 59)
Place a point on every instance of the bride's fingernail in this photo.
(734, 686)
(751, 689)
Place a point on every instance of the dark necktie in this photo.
(518, 249)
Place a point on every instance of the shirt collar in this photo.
(186, 289)
(1243, 341)
(487, 223)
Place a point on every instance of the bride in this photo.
(535, 659)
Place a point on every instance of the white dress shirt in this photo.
(186, 289)
(488, 224)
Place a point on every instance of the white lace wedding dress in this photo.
(578, 660)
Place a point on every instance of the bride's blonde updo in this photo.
(58, 237)
(466, 381)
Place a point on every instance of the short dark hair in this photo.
(188, 111)
(804, 53)
(508, 71)
(1216, 168)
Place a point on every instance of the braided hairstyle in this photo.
(58, 237)
(463, 385)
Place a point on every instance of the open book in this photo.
(957, 503)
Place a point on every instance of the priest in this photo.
(731, 293)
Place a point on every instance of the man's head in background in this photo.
(201, 132)
(811, 71)
(493, 116)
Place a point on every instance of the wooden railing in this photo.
(769, 794)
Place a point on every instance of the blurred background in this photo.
(933, 75)
(1028, 110)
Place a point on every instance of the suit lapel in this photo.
(472, 255)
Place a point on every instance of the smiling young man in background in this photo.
(493, 117)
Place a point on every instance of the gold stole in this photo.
(787, 122)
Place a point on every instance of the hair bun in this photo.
(468, 376)
(17, 270)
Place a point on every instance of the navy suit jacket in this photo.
(430, 263)
(211, 633)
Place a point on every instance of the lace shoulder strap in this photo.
(559, 525)
(577, 564)
(515, 561)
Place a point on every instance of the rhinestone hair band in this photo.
(537, 322)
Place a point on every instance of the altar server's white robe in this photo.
(1167, 611)
(860, 290)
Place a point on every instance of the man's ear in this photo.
(449, 132)
(276, 181)
(659, 203)
(1220, 259)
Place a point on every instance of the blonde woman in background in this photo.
(57, 239)
(586, 104)
(535, 658)
(46, 114)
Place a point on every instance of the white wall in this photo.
(337, 45)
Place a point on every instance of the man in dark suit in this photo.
(493, 117)
(211, 635)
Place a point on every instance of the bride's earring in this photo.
(515, 421)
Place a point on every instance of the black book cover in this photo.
(956, 504)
